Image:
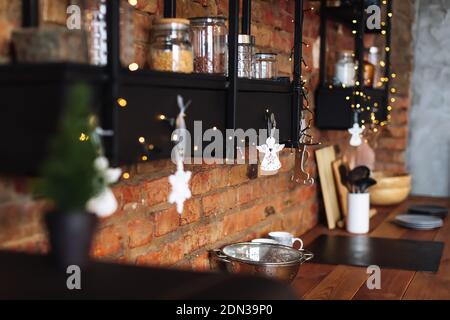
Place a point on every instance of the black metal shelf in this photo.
(328, 116)
(335, 111)
(346, 16)
(49, 72)
(33, 96)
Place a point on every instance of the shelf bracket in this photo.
(170, 8)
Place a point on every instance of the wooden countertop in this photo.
(320, 281)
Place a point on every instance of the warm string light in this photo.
(365, 105)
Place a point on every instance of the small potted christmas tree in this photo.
(75, 179)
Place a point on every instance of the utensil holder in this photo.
(358, 213)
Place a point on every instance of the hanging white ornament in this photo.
(179, 181)
(270, 163)
(356, 132)
(104, 203)
(180, 188)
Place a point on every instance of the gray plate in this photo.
(422, 222)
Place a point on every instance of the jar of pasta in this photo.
(170, 46)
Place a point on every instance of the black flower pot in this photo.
(70, 236)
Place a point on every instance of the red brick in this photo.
(140, 232)
(142, 24)
(166, 221)
(150, 6)
(392, 143)
(151, 258)
(237, 175)
(157, 191)
(126, 193)
(140, 57)
(205, 181)
(108, 241)
(241, 220)
(201, 262)
(191, 211)
(397, 132)
(219, 202)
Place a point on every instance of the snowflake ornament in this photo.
(179, 181)
(355, 131)
(180, 188)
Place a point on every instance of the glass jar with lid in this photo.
(265, 66)
(345, 69)
(209, 41)
(246, 45)
(374, 58)
(170, 46)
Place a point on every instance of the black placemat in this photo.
(364, 251)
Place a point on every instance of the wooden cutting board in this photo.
(341, 190)
(325, 158)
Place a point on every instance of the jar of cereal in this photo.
(170, 46)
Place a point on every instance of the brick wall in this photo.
(226, 205)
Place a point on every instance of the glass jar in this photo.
(97, 36)
(374, 58)
(246, 44)
(369, 72)
(170, 46)
(95, 25)
(265, 66)
(127, 48)
(209, 41)
(345, 71)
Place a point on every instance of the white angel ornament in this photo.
(105, 203)
(355, 131)
(270, 163)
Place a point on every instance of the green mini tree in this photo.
(68, 176)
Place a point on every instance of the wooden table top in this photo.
(320, 281)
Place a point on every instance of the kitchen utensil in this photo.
(344, 171)
(429, 209)
(285, 238)
(358, 173)
(265, 240)
(263, 259)
(363, 184)
(342, 186)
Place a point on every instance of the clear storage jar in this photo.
(345, 71)
(95, 25)
(209, 41)
(246, 45)
(170, 46)
(265, 66)
(96, 29)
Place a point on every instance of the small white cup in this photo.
(265, 240)
(285, 238)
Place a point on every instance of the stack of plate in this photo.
(429, 209)
(418, 221)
